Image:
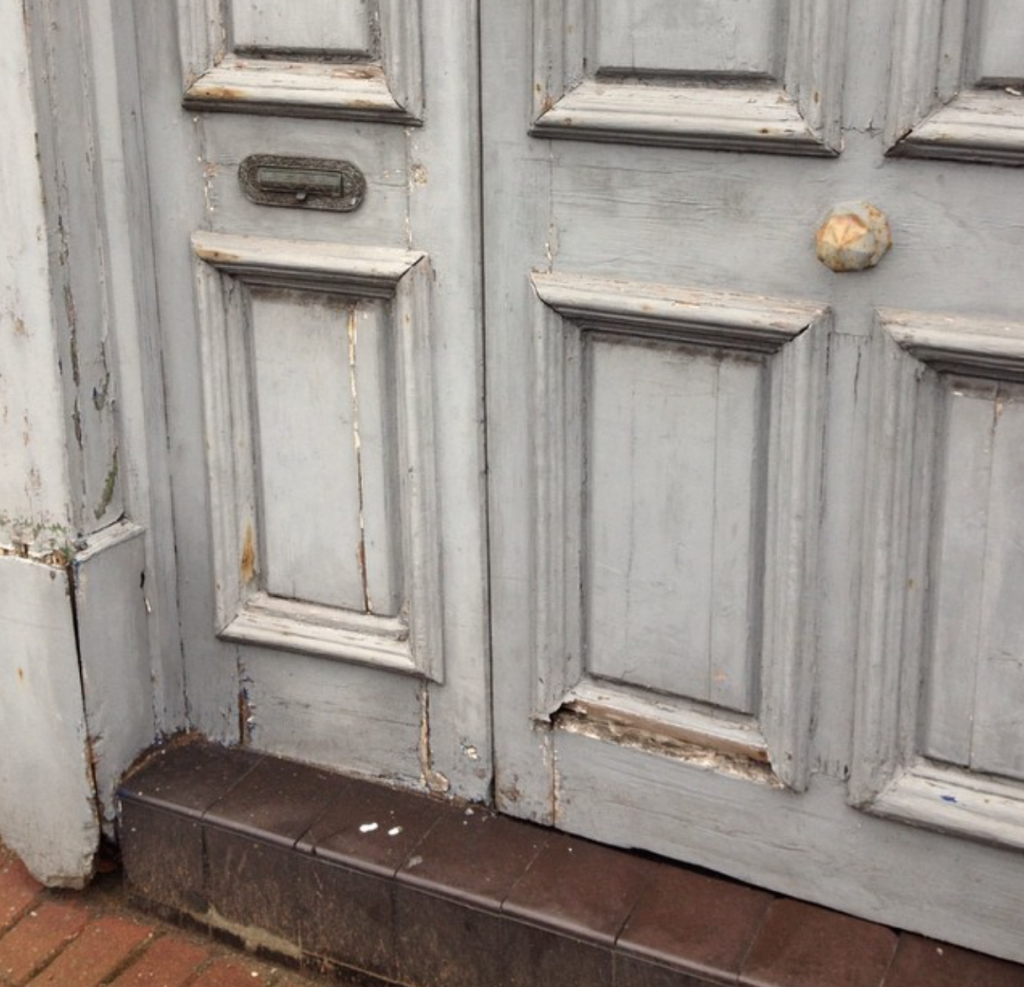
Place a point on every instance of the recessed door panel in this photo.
(938, 728)
(322, 27)
(323, 377)
(956, 86)
(636, 72)
(674, 518)
(747, 593)
(753, 544)
(326, 417)
(357, 60)
(976, 678)
(1000, 44)
(723, 38)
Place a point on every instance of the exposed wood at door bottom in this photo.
(747, 761)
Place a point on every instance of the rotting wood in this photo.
(659, 730)
(248, 562)
(433, 779)
(641, 734)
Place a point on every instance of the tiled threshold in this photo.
(381, 885)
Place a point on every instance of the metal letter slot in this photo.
(302, 183)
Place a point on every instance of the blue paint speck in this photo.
(948, 798)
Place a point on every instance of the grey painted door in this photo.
(324, 375)
(757, 527)
(755, 534)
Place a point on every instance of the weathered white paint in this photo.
(34, 505)
(76, 386)
(703, 37)
(308, 426)
(572, 101)
(117, 682)
(671, 557)
(229, 270)
(317, 26)
(47, 807)
(934, 112)
(135, 356)
(946, 403)
(729, 231)
(607, 758)
(815, 844)
(410, 258)
(67, 128)
(999, 696)
(1000, 43)
(571, 643)
(385, 86)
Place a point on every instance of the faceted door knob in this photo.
(853, 237)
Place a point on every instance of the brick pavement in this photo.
(92, 939)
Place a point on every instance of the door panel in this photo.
(343, 29)
(754, 537)
(770, 611)
(354, 61)
(956, 82)
(781, 61)
(273, 509)
(642, 548)
(939, 730)
(324, 381)
(736, 38)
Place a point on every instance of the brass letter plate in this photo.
(302, 183)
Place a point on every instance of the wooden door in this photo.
(757, 527)
(323, 371)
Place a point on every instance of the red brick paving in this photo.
(40, 935)
(100, 950)
(229, 973)
(92, 939)
(18, 889)
(169, 962)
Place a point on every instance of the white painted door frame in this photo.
(89, 652)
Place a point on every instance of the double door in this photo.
(524, 447)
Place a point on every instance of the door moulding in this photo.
(797, 113)
(386, 87)
(890, 774)
(226, 267)
(935, 110)
(790, 338)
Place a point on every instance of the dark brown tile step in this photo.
(407, 888)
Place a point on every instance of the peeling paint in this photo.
(434, 780)
(109, 486)
(726, 761)
(247, 568)
(245, 717)
(353, 342)
(76, 421)
(101, 393)
(219, 92)
(217, 256)
(40, 539)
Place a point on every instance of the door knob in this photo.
(853, 237)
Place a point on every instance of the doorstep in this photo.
(389, 886)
